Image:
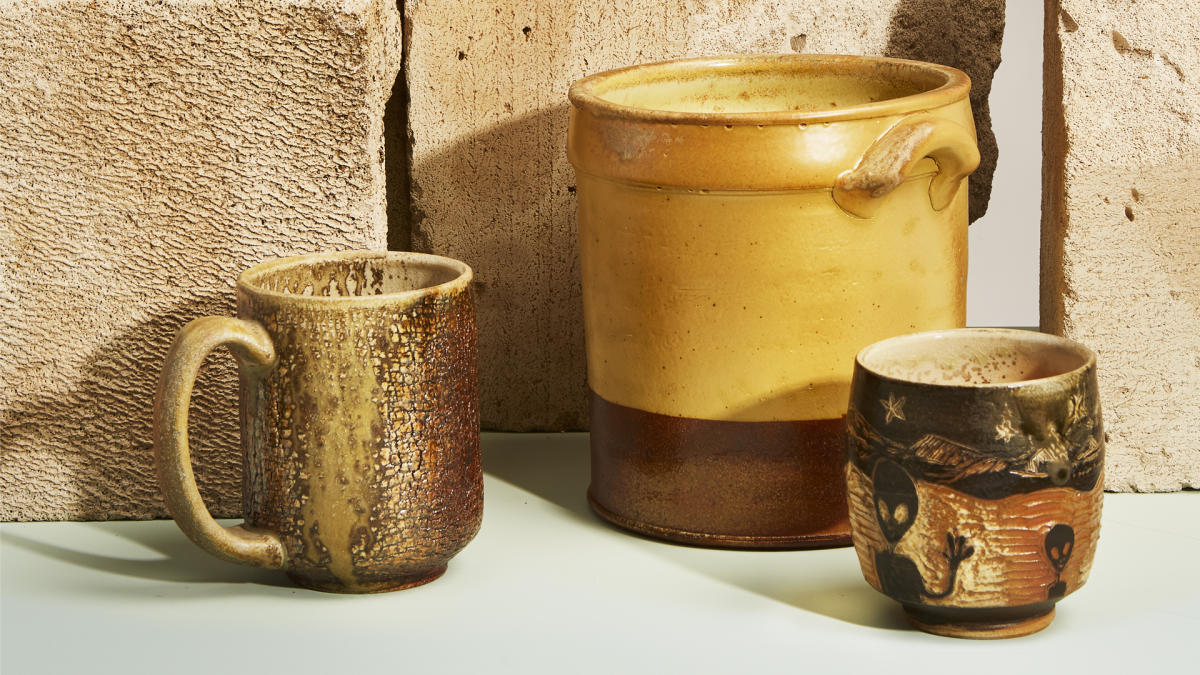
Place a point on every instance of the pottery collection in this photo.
(360, 419)
(747, 225)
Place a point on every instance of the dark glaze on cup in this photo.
(975, 476)
(360, 420)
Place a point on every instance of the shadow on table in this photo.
(781, 576)
(854, 602)
(181, 562)
(843, 596)
(556, 468)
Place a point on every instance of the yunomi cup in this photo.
(975, 472)
(359, 415)
(746, 225)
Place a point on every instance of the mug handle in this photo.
(254, 351)
(892, 156)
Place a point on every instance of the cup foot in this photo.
(980, 624)
(397, 584)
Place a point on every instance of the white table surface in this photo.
(548, 588)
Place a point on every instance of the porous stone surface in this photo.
(149, 151)
(487, 117)
(1121, 223)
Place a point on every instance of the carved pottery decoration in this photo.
(975, 475)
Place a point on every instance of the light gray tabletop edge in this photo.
(547, 587)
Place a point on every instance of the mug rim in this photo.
(586, 93)
(1024, 337)
(461, 280)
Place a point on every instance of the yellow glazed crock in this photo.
(746, 225)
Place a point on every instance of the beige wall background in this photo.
(127, 165)
(149, 152)
(1121, 225)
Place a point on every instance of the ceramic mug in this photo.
(359, 419)
(975, 473)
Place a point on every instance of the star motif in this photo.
(893, 408)
(1005, 431)
(1075, 410)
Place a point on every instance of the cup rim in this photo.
(584, 93)
(462, 279)
(1025, 337)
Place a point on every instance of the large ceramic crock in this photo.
(746, 225)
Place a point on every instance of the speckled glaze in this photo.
(360, 420)
(975, 462)
(746, 225)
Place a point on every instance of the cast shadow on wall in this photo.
(397, 149)
(965, 34)
(101, 465)
(511, 215)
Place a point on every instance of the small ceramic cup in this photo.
(359, 415)
(975, 467)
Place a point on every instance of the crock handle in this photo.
(252, 346)
(890, 159)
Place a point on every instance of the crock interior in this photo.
(354, 277)
(969, 357)
(764, 86)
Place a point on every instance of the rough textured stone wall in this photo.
(149, 151)
(490, 183)
(1121, 223)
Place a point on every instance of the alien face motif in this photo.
(896, 509)
(895, 500)
(1059, 542)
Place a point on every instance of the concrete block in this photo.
(149, 151)
(487, 86)
(1121, 223)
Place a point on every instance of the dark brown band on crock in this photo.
(719, 483)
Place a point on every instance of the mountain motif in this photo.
(1015, 461)
(947, 460)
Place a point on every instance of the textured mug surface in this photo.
(975, 461)
(360, 420)
(746, 225)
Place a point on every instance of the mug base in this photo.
(397, 584)
(980, 624)
(834, 536)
